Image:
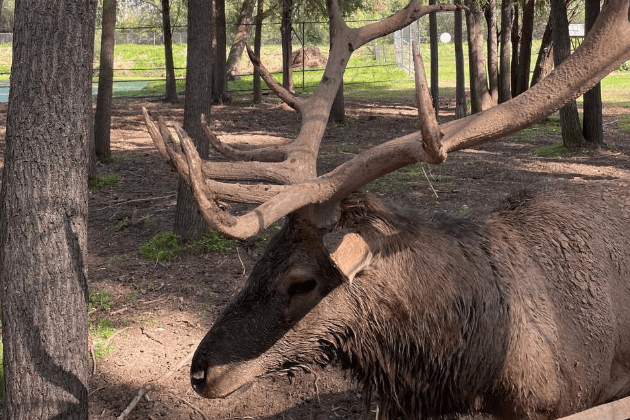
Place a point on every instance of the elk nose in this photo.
(198, 380)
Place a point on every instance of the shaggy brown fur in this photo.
(522, 313)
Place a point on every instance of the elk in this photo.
(521, 313)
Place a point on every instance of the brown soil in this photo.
(163, 309)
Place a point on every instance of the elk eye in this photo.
(301, 287)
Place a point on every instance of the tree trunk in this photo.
(433, 39)
(516, 37)
(286, 29)
(219, 75)
(505, 91)
(257, 49)
(338, 109)
(480, 98)
(525, 51)
(593, 129)
(189, 223)
(171, 87)
(460, 78)
(493, 65)
(544, 62)
(103, 115)
(44, 209)
(569, 119)
(1, 21)
(242, 30)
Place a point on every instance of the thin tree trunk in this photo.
(219, 75)
(286, 30)
(433, 39)
(544, 62)
(460, 78)
(171, 87)
(493, 62)
(516, 37)
(103, 115)
(44, 209)
(569, 118)
(242, 31)
(1, 21)
(257, 49)
(189, 223)
(505, 91)
(480, 98)
(525, 51)
(593, 129)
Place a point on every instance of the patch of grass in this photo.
(119, 225)
(623, 122)
(132, 296)
(404, 178)
(166, 245)
(106, 180)
(100, 332)
(344, 148)
(115, 259)
(161, 248)
(552, 150)
(101, 300)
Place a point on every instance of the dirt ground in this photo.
(162, 310)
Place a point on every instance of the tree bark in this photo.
(569, 118)
(544, 62)
(257, 48)
(493, 62)
(433, 40)
(103, 115)
(516, 37)
(44, 208)
(189, 223)
(242, 30)
(505, 91)
(460, 78)
(219, 74)
(286, 29)
(171, 86)
(525, 50)
(480, 98)
(593, 129)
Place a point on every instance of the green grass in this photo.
(100, 333)
(552, 150)
(166, 245)
(106, 180)
(101, 300)
(404, 178)
(623, 122)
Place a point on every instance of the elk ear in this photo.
(349, 251)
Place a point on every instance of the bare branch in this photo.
(429, 127)
(282, 93)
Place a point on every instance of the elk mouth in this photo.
(222, 381)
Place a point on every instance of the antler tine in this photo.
(429, 127)
(263, 154)
(282, 93)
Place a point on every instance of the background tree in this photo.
(460, 78)
(505, 91)
(238, 45)
(188, 221)
(544, 62)
(103, 114)
(569, 118)
(43, 222)
(525, 48)
(433, 40)
(480, 98)
(516, 37)
(593, 129)
(257, 49)
(220, 92)
(171, 86)
(286, 30)
(493, 67)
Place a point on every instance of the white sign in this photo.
(445, 37)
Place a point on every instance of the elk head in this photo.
(296, 281)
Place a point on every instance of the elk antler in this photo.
(293, 165)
